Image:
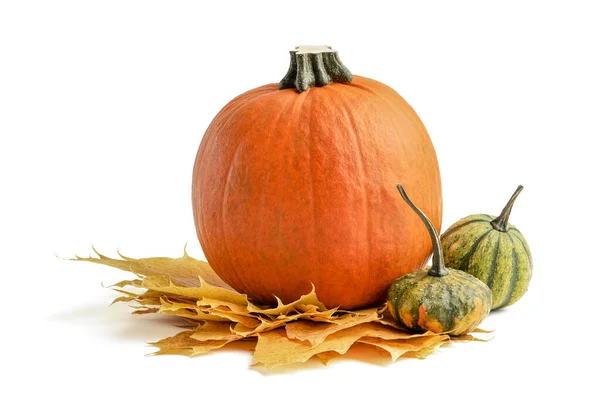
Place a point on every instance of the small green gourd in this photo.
(492, 250)
(438, 299)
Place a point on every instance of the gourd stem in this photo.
(501, 223)
(437, 265)
(314, 66)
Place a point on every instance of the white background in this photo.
(103, 105)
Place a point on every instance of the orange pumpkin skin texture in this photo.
(295, 188)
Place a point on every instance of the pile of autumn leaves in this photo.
(218, 316)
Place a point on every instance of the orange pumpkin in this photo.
(295, 184)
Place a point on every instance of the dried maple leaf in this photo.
(274, 348)
(184, 270)
(406, 348)
(214, 331)
(309, 299)
(316, 332)
(184, 344)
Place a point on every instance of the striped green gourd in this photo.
(492, 250)
(438, 299)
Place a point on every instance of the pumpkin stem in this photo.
(314, 66)
(501, 223)
(437, 265)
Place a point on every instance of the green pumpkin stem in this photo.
(501, 223)
(314, 66)
(437, 265)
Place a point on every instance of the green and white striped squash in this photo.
(438, 299)
(493, 251)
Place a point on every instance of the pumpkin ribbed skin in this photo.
(500, 259)
(295, 188)
(453, 304)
